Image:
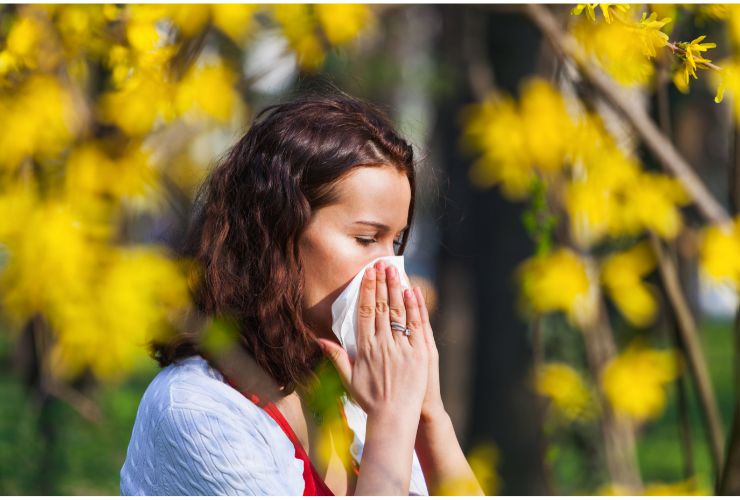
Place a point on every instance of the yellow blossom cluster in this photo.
(622, 273)
(567, 282)
(605, 192)
(306, 27)
(98, 176)
(634, 381)
(146, 92)
(567, 391)
(29, 44)
(611, 196)
(103, 302)
(607, 10)
(560, 281)
(726, 75)
(719, 253)
(692, 60)
(623, 45)
(39, 120)
(518, 140)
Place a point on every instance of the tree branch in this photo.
(693, 351)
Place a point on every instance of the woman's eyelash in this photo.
(364, 241)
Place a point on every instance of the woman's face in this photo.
(341, 238)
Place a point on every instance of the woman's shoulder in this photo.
(193, 385)
(192, 424)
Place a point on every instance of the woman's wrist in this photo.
(392, 422)
(433, 415)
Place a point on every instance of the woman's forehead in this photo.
(375, 194)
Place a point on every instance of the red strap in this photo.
(314, 484)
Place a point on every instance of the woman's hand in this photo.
(432, 407)
(389, 374)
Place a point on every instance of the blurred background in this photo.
(583, 281)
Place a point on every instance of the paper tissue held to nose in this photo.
(344, 310)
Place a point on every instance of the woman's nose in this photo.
(385, 251)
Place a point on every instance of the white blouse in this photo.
(194, 434)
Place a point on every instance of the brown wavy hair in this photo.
(251, 210)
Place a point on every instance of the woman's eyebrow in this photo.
(378, 225)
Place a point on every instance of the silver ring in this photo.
(401, 328)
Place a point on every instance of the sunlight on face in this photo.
(336, 244)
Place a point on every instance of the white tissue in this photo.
(344, 308)
(344, 324)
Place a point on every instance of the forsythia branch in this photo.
(660, 146)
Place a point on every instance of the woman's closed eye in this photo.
(370, 241)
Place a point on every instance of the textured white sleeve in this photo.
(196, 435)
(214, 451)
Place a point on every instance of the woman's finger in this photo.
(366, 309)
(382, 317)
(397, 310)
(340, 360)
(413, 319)
(424, 313)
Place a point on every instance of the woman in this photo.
(316, 189)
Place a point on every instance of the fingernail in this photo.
(392, 271)
(370, 273)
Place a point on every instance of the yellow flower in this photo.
(31, 40)
(143, 102)
(682, 488)
(694, 49)
(136, 293)
(92, 172)
(40, 120)
(83, 30)
(594, 198)
(692, 60)
(484, 459)
(208, 91)
(17, 198)
(342, 22)
(190, 19)
(299, 28)
(652, 203)
(567, 391)
(719, 253)
(624, 49)
(728, 79)
(547, 125)
(614, 489)
(234, 20)
(733, 22)
(634, 381)
(721, 84)
(607, 9)
(617, 49)
(560, 281)
(609, 194)
(621, 274)
(301, 23)
(54, 244)
(495, 128)
(517, 140)
(650, 33)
